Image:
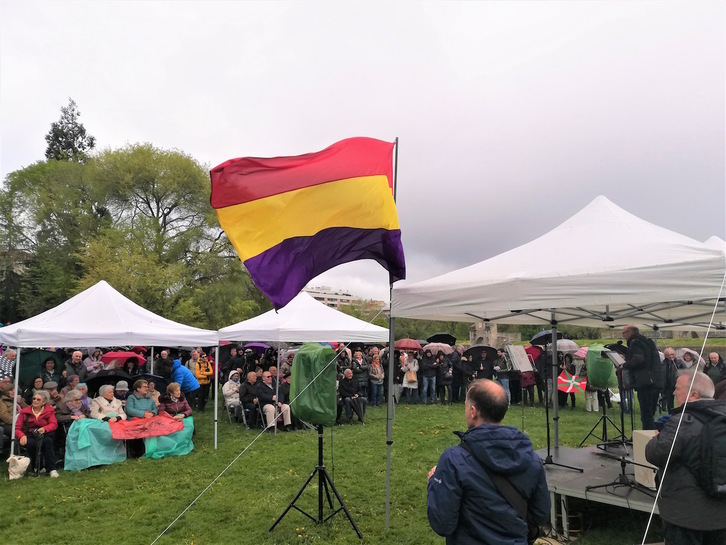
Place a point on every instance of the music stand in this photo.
(325, 485)
(520, 361)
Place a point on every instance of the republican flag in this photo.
(293, 218)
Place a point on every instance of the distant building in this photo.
(339, 299)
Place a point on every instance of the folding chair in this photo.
(230, 409)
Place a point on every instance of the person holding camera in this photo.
(203, 371)
(34, 430)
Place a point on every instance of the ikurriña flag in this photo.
(293, 218)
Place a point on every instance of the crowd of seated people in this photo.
(57, 397)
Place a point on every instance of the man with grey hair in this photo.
(672, 366)
(76, 366)
(7, 364)
(689, 515)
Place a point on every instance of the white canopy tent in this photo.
(715, 242)
(603, 267)
(305, 320)
(101, 316)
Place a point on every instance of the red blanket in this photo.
(139, 428)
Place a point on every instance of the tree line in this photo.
(138, 217)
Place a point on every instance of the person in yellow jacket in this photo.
(204, 372)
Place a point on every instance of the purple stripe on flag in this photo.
(284, 270)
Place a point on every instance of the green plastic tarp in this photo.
(89, 443)
(175, 444)
(318, 402)
(600, 370)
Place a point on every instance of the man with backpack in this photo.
(693, 494)
(491, 488)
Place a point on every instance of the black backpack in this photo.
(711, 473)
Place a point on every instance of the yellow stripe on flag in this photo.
(359, 203)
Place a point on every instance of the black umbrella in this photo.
(354, 346)
(446, 338)
(475, 352)
(110, 376)
(160, 383)
(543, 337)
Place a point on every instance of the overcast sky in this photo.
(511, 116)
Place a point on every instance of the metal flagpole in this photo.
(391, 370)
(554, 373)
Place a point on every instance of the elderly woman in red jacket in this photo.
(35, 427)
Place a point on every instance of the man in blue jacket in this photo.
(464, 504)
(183, 376)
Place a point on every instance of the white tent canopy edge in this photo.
(603, 267)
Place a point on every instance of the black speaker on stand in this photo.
(314, 400)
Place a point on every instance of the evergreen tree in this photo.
(67, 139)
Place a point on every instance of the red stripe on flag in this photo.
(250, 178)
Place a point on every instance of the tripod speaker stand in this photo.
(325, 485)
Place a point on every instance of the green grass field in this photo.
(133, 502)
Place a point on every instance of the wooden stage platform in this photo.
(601, 469)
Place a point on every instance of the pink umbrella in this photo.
(439, 347)
(566, 345)
(581, 352)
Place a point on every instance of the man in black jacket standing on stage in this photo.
(642, 361)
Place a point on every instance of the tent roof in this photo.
(715, 242)
(304, 320)
(101, 316)
(603, 267)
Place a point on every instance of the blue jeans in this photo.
(376, 391)
(429, 385)
(505, 384)
(626, 400)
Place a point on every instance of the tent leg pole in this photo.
(216, 393)
(15, 404)
(554, 374)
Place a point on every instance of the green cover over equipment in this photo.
(317, 404)
(600, 370)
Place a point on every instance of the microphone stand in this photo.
(549, 460)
